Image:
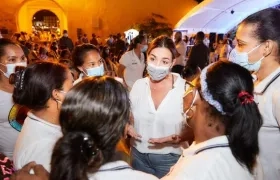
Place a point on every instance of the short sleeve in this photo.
(125, 60)
(39, 152)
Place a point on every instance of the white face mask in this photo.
(242, 59)
(144, 48)
(96, 71)
(157, 73)
(11, 68)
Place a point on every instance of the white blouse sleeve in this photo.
(276, 106)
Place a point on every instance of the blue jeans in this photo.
(155, 164)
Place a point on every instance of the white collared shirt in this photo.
(269, 134)
(209, 160)
(119, 170)
(164, 121)
(36, 142)
(134, 67)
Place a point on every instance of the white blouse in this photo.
(268, 100)
(209, 160)
(151, 123)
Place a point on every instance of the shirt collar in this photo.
(33, 117)
(113, 165)
(133, 54)
(262, 85)
(194, 148)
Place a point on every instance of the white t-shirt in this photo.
(182, 49)
(8, 135)
(36, 142)
(134, 67)
(209, 160)
(151, 123)
(119, 170)
(269, 134)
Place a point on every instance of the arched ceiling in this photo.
(220, 16)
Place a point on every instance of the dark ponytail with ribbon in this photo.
(232, 86)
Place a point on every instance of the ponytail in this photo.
(242, 131)
(17, 79)
(229, 93)
(74, 156)
(34, 84)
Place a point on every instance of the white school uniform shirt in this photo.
(151, 123)
(134, 67)
(269, 134)
(119, 170)
(8, 135)
(36, 142)
(209, 160)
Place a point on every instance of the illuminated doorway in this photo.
(45, 22)
(29, 9)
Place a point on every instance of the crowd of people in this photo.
(72, 111)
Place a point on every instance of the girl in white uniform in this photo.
(93, 118)
(225, 120)
(257, 49)
(11, 55)
(41, 87)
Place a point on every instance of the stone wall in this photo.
(102, 17)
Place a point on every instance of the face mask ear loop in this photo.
(84, 72)
(254, 49)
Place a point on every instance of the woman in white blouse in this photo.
(225, 120)
(157, 108)
(257, 49)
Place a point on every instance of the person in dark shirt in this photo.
(65, 42)
(94, 41)
(119, 45)
(199, 54)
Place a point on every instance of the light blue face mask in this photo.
(95, 71)
(144, 48)
(242, 59)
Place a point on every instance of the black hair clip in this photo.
(21, 80)
(17, 79)
(87, 147)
